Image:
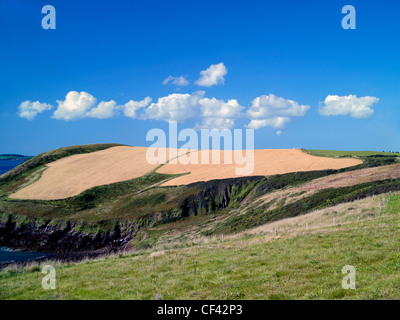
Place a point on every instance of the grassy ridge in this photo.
(333, 153)
(302, 266)
(369, 158)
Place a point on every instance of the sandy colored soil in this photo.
(266, 162)
(70, 176)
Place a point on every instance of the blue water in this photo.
(7, 255)
(7, 165)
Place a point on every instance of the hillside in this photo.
(226, 218)
(302, 260)
(72, 175)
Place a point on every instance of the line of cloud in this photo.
(264, 111)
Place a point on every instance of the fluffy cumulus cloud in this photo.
(219, 108)
(273, 111)
(212, 112)
(175, 107)
(78, 105)
(213, 75)
(132, 107)
(104, 110)
(179, 81)
(215, 123)
(29, 110)
(75, 106)
(359, 108)
(219, 114)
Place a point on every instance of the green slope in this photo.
(305, 265)
(333, 153)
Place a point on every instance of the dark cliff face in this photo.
(45, 237)
(218, 194)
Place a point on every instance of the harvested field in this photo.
(70, 176)
(266, 162)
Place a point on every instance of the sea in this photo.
(7, 255)
(7, 165)
(10, 256)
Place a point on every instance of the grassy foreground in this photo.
(306, 264)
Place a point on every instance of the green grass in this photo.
(369, 158)
(391, 205)
(333, 153)
(307, 266)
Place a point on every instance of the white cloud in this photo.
(270, 106)
(75, 106)
(273, 111)
(265, 111)
(179, 81)
(175, 107)
(219, 114)
(29, 110)
(358, 108)
(216, 123)
(213, 75)
(275, 122)
(130, 108)
(104, 110)
(219, 108)
(211, 112)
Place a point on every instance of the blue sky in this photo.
(289, 53)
